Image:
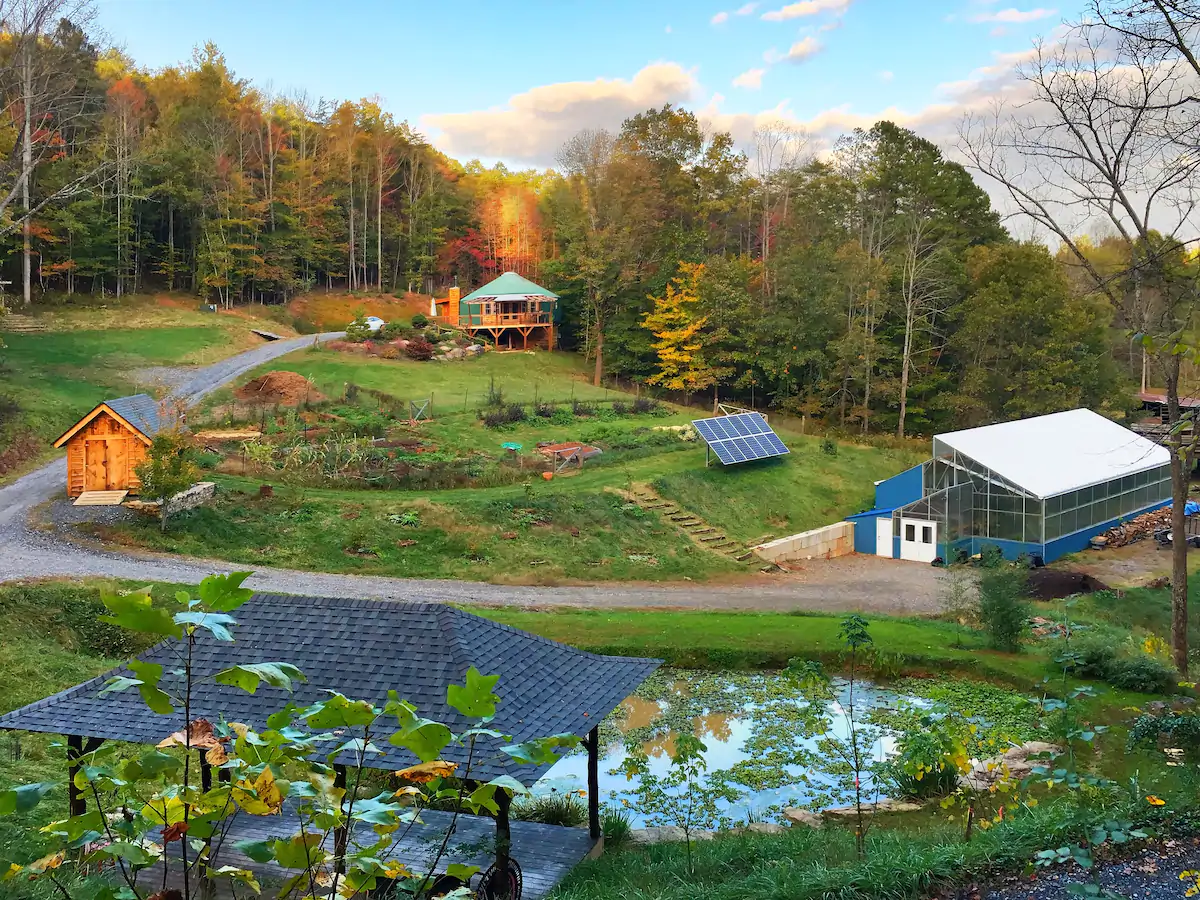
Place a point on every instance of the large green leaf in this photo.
(475, 697)
(137, 612)
(213, 622)
(425, 739)
(224, 593)
(154, 697)
(24, 798)
(248, 677)
(302, 851)
(540, 752)
(338, 711)
(131, 853)
(259, 851)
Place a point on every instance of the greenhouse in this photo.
(1042, 487)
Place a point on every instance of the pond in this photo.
(771, 741)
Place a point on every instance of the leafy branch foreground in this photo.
(160, 810)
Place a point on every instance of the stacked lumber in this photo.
(1135, 529)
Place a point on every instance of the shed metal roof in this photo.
(364, 648)
(1053, 454)
(510, 284)
(140, 411)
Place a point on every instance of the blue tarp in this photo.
(1189, 509)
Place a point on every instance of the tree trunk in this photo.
(904, 368)
(1180, 470)
(599, 373)
(26, 175)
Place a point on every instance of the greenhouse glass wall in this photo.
(1030, 489)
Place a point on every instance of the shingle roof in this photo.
(363, 648)
(139, 410)
(510, 284)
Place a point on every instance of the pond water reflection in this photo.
(769, 738)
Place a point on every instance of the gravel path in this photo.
(850, 584)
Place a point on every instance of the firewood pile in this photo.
(1135, 529)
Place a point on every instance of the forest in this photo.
(872, 285)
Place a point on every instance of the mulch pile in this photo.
(284, 388)
(1135, 529)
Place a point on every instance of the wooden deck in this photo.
(546, 853)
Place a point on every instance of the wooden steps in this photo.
(704, 535)
(16, 323)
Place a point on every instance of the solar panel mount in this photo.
(740, 438)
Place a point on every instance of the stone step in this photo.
(709, 540)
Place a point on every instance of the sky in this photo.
(511, 81)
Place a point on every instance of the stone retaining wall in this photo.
(820, 543)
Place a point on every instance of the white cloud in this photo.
(747, 9)
(751, 79)
(533, 125)
(886, 75)
(802, 50)
(720, 17)
(1014, 16)
(805, 8)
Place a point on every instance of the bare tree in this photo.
(46, 99)
(1106, 135)
(779, 150)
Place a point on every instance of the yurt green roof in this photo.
(510, 284)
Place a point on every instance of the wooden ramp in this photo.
(100, 498)
(266, 335)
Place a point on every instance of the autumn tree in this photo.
(680, 347)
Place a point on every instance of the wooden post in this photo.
(341, 835)
(593, 749)
(205, 774)
(503, 839)
(77, 800)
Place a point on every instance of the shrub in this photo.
(583, 408)
(169, 467)
(420, 320)
(552, 809)
(208, 459)
(829, 447)
(563, 416)
(620, 408)
(545, 410)
(1003, 607)
(504, 415)
(495, 395)
(387, 351)
(616, 825)
(393, 330)
(358, 331)
(643, 405)
(925, 763)
(419, 350)
(1099, 655)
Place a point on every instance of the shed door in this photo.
(883, 536)
(96, 464)
(918, 540)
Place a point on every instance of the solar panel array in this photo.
(740, 438)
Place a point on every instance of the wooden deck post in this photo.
(341, 835)
(503, 837)
(77, 800)
(205, 774)
(593, 749)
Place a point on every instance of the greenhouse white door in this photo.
(883, 536)
(918, 540)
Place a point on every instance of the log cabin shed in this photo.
(105, 446)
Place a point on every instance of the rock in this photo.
(765, 828)
(883, 806)
(1014, 764)
(802, 817)
(456, 353)
(667, 834)
(475, 348)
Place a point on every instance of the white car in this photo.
(374, 323)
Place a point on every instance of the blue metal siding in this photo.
(900, 490)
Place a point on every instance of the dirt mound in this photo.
(286, 388)
(1053, 584)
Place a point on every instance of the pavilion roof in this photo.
(363, 649)
(510, 284)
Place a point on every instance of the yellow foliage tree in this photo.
(680, 331)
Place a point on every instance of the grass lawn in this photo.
(89, 355)
(488, 527)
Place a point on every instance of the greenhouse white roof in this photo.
(1050, 455)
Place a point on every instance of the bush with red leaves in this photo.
(419, 350)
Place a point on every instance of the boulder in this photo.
(1014, 764)
(456, 353)
(883, 806)
(802, 817)
(759, 828)
(475, 348)
(667, 834)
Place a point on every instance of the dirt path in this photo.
(852, 584)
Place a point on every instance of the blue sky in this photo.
(512, 80)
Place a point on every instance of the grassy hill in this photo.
(467, 507)
(48, 379)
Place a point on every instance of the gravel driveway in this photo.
(851, 584)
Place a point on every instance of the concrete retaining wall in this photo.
(820, 543)
(197, 495)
